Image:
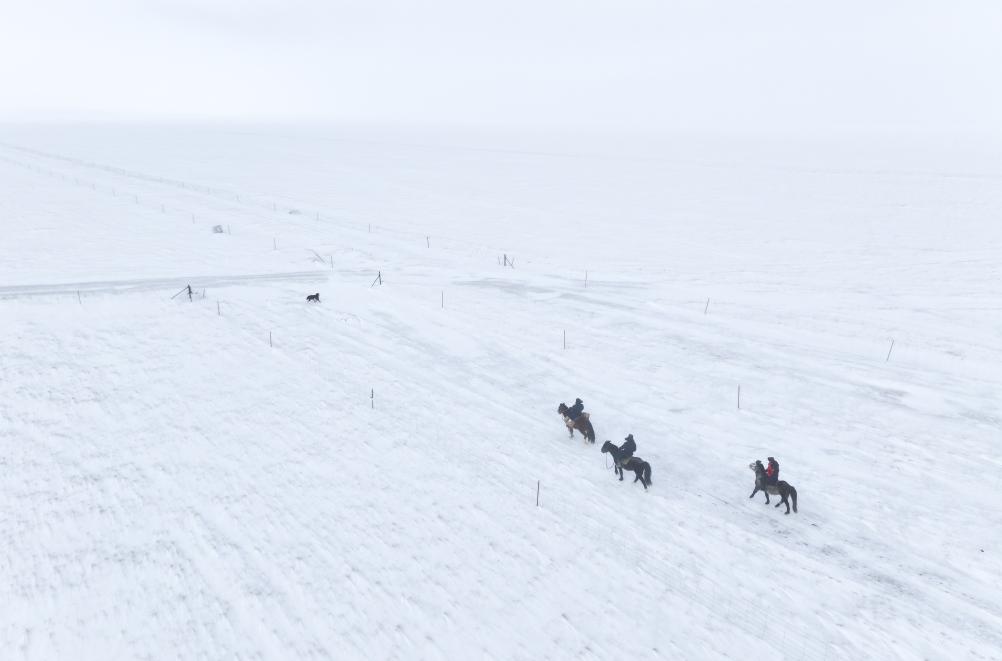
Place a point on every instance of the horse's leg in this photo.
(753, 493)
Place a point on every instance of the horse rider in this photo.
(626, 450)
(575, 411)
(772, 472)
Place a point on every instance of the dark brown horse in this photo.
(640, 468)
(784, 490)
(582, 424)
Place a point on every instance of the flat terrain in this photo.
(248, 476)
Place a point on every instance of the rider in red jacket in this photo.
(772, 472)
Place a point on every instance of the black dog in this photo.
(315, 298)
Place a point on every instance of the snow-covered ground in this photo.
(246, 476)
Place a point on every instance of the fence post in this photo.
(270, 343)
(537, 493)
(707, 306)
(889, 351)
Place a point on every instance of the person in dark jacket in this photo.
(626, 450)
(772, 472)
(576, 410)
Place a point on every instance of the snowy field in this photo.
(245, 476)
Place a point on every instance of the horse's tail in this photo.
(589, 431)
(793, 494)
(647, 476)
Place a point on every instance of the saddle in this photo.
(771, 489)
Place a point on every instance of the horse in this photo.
(783, 489)
(640, 468)
(315, 298)
(581, 423)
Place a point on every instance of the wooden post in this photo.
(270, 343)
(218, 312)
(79, 300)
(739, 397)
(443, 299)
(537, 493)
(565, 339)
(372, 398)
(427, 240)
(707, 306)
(332, 262)
(889, 351)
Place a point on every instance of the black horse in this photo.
(784, 490)
(641, 468)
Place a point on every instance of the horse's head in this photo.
(562, 408)
(608, 447)
(757, 466)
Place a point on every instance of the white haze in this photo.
(725, 65)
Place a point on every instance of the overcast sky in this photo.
(805, 65)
